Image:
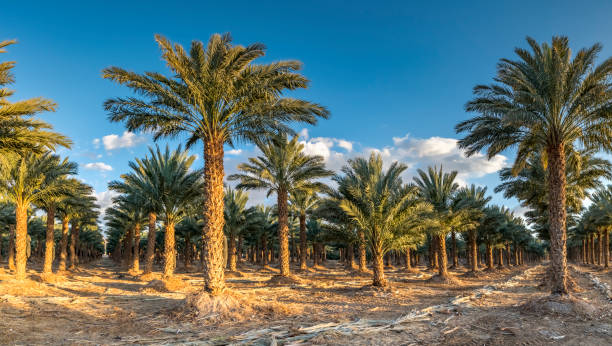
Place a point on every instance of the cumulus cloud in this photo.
(234, 152)
(98, 166)
(113, 141)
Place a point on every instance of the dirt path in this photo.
(101, 305)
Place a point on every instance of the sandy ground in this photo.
(100, 304)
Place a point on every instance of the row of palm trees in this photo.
(33, 177)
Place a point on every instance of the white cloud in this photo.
(126, 140)
(234, 152)
(304, 134)
(98, 166)
(345, 144)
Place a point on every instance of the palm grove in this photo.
(552, 107)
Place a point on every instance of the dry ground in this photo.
(99, 304)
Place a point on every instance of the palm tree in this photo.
(303, 202)
(472, 200)
(174, 186)
(238, 219)
(546, 101)
(438, 189)
(18, 131)
(217, 96)
(283, 167)
(26, 180)
(377, 202)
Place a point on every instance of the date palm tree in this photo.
(238, 219)
(303, 202)
(217, 95)
(438, 189)
(378, 203)
(26, 180)
(545, 101)
(283, 167)
(18, 131)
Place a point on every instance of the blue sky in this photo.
(394, 75)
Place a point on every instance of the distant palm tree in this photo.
(217, 96)
(438, 189)
(303, 202)
(26, 180)
(472, 201)
(283, 167)
(173, 185)
(18, 131)
(380, 205)
(238, 219)
(546, 101)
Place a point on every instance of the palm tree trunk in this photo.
(150, 244)
(500, 252)
(11, 251)
(239, 250)
(584, 257)
(283, 232)
(606, 248)
(303, 244)
(557, 214)
(362, 252)
(378, 266)
(508, 254)
(350, 257)
(232, 253)
(63, 245)
(474, 249)
(72, 245)
(408, 264)
(489, 257)
(442, 259)
(212, 246)
(49, 241)
(21, 241)
(136, 254)
(169, 251)
(455, 253)
(598, 249)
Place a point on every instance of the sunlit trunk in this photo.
(212, 249)
(598, 249)
(378, 267)
(49, 241)
(63, 244)
(489, 257)
(500, 252)
(557, 214)
(136, 254)
(455, 253)
(303, 245)
(150, 244)
(21, 241)
(11, 251)
(350, 257)
(362, 251)
(474, 249)
(232, 253)
(283, 232)
(169, 251)
(408, 264)
(606, 248)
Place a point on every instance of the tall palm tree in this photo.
(380, 205)
(26, 180)
(438, 189)
(472, 201)
(283, 167)
(545, 101)
(18, 131)
(303, 202)
(217, 95)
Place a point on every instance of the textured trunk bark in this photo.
(350, 257)
(11, 251)
(63, 244)
(128, 247)
(408, 264)
(169, 251)
(501, 257)
(303, 245)
(136, 254)
(239, 250)
(474, 249)
(379, 273)
(442, 260)
(584, 256)
(455, 253)
(150, 244)
(557, 214)
(72, 246)
(21, 241)
(508, 254)
(606, 248)
(49, 241)
(283, 232)
(264, 251)
(362, 252)
(212, 247)
(598, 249)
(436, 252)
(489, 257)
(232, 253)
